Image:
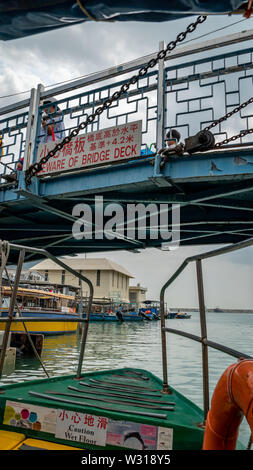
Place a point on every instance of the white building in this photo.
(110, 280)
(137, 294)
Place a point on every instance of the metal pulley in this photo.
(201, 142)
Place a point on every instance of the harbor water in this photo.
(138, 344)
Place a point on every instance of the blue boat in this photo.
(151, 310)
(126, 313)
(129, 316)
(171, 315)
(178, 315)
(101, 310)
(102, 317)
(110, 311)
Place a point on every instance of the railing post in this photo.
(160, 100)
(203, 337)
(164, 352)
(160, 110)
(29, 130)
(164, 344)
(37, 102)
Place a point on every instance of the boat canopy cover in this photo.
(20, 18)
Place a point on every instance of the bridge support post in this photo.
(160, 111)
(35, 123)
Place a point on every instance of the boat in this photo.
(111, 311)
(129, 408)
(128, 315)
(45, 306)
(177, 315)
(102, 317)
(171, 315)
(151, 309)
(127, 311)
(182, 315)
(101, 310)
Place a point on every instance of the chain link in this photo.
(34, 169)
(234, 137)
(224, 118)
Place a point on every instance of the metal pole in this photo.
(164, 347)
(203, 337)
(163, 331)
(11, 310)
(35, 123)
(85, 333)
(160, 101)
(29, 129)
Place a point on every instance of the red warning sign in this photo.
(94, 148)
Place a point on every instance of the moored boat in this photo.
(109, 317)
(182, 315)
(151, 309)
(45, 307)
(171, 315)
(129, 316)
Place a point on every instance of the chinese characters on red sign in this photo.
(95, 148)
(89, 420)
(81, 427)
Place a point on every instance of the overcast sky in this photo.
(79, 50)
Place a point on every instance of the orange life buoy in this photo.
(232, 400)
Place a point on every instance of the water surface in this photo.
(138, 344)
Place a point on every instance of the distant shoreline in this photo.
(221, 310)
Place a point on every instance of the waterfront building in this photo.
(137, 294)
(110, 280)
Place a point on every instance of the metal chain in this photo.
(37, 167)
(234, 137)
(224, 118)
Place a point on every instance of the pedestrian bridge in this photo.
(192, 87)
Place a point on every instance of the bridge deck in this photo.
(216, 205)
(213, 189)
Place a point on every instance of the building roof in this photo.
(84, 264)
(138, 287)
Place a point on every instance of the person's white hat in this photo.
(51, 100)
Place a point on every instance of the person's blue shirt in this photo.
(58, 130)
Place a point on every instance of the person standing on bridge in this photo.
(52, 125)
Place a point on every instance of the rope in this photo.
(92, 18)
(4, 254)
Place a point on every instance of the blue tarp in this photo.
(20, 18)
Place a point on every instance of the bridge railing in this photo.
(203, 90)
(186, 91)
(13, 133)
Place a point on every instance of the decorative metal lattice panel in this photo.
(190, 96)
(13, 134)
(140, 103)
(204, 90)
